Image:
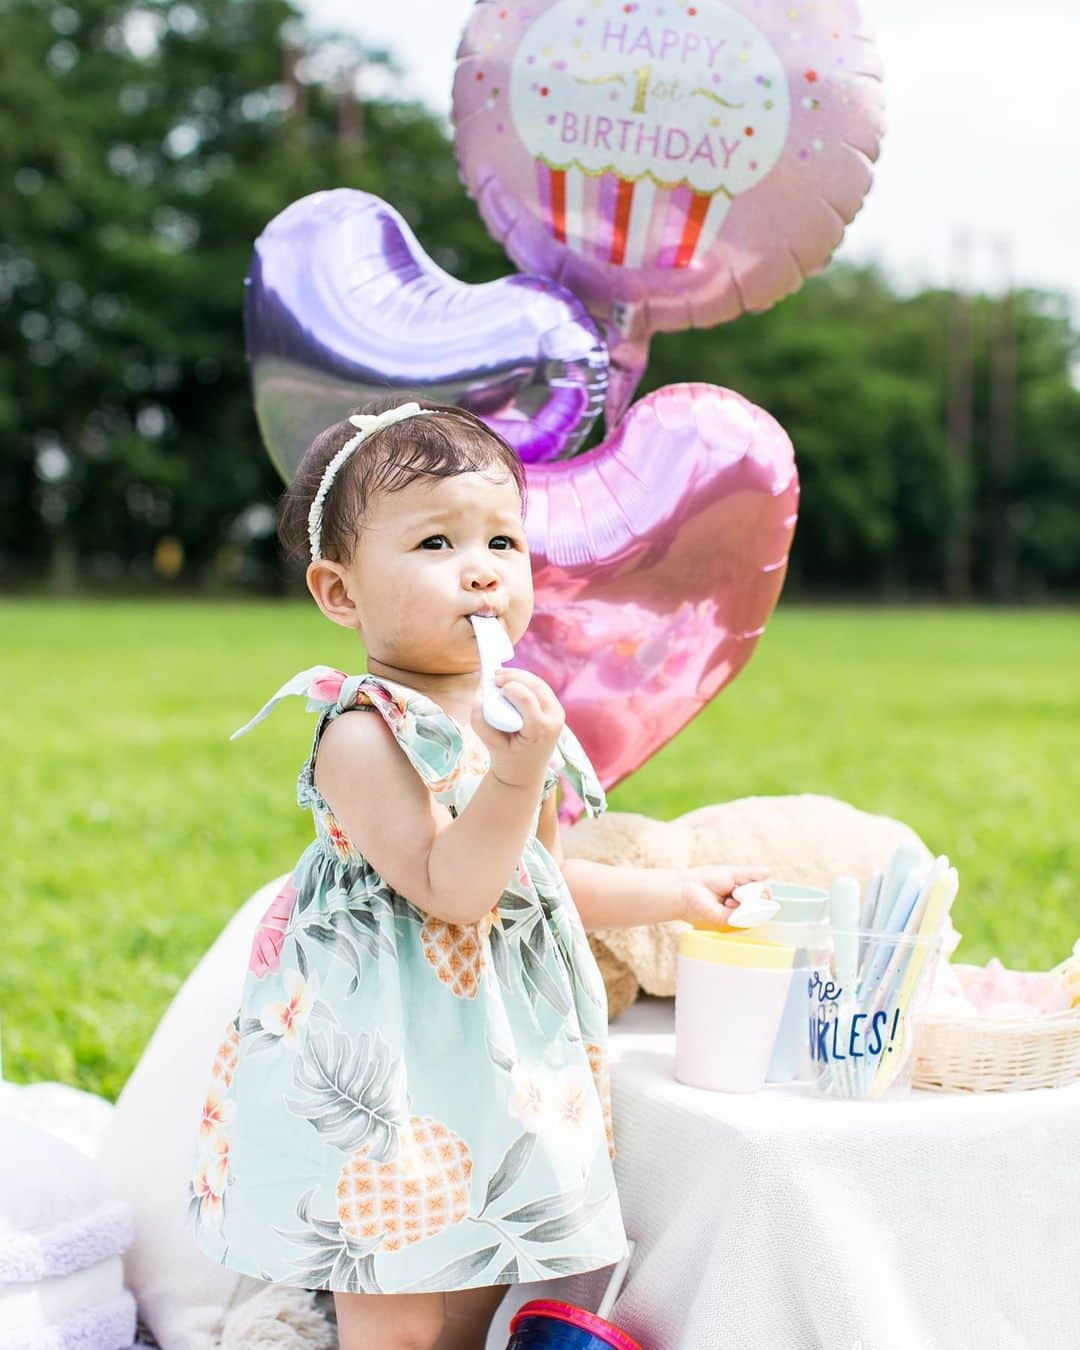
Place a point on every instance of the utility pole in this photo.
(350, 127)
(291, 55)
(959, 369)
(1002, 438)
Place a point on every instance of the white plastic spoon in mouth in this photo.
(495, 647)
(753, 907)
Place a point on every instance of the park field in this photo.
(134, 828)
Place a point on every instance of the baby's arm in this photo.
(607, 896)
(454, 869)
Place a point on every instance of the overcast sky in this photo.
(983, 131)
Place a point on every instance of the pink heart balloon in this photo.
(657, 560)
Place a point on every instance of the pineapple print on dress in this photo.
(227, 1056)
(600, 1065)
(406, 1177)
(413, 1196)
(459, 953)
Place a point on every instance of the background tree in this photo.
(148, 145)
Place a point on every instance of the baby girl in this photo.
(415, 1108)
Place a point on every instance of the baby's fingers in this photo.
(723, 880)
(523, 699)
(540, 689)
(741, 875)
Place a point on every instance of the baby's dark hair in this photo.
(447, 441)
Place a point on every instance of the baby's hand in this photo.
(705, 898)
(520, 758)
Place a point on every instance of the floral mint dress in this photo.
(400, 1104)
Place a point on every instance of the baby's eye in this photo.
(431, 539)
(509, 541)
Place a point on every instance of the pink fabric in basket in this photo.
(995, 991)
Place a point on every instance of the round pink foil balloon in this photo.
(674, 163)
(657, 560)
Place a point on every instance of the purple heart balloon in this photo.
(657, 560)
(342, 304)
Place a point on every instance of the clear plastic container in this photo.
(861, 1031)
(810, 941)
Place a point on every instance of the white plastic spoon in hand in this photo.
(495, 647)
(754, 908)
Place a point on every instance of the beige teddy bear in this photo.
(804, 838)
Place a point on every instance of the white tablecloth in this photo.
(782, 1220)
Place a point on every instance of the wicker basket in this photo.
(986, 1054)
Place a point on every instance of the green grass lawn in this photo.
(135, 828)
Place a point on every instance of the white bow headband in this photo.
(368, 425)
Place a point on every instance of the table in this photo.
(782, 1220)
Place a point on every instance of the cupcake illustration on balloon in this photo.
(647, 121)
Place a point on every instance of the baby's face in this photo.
(433, 553)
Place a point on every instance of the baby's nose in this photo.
(479, 571)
